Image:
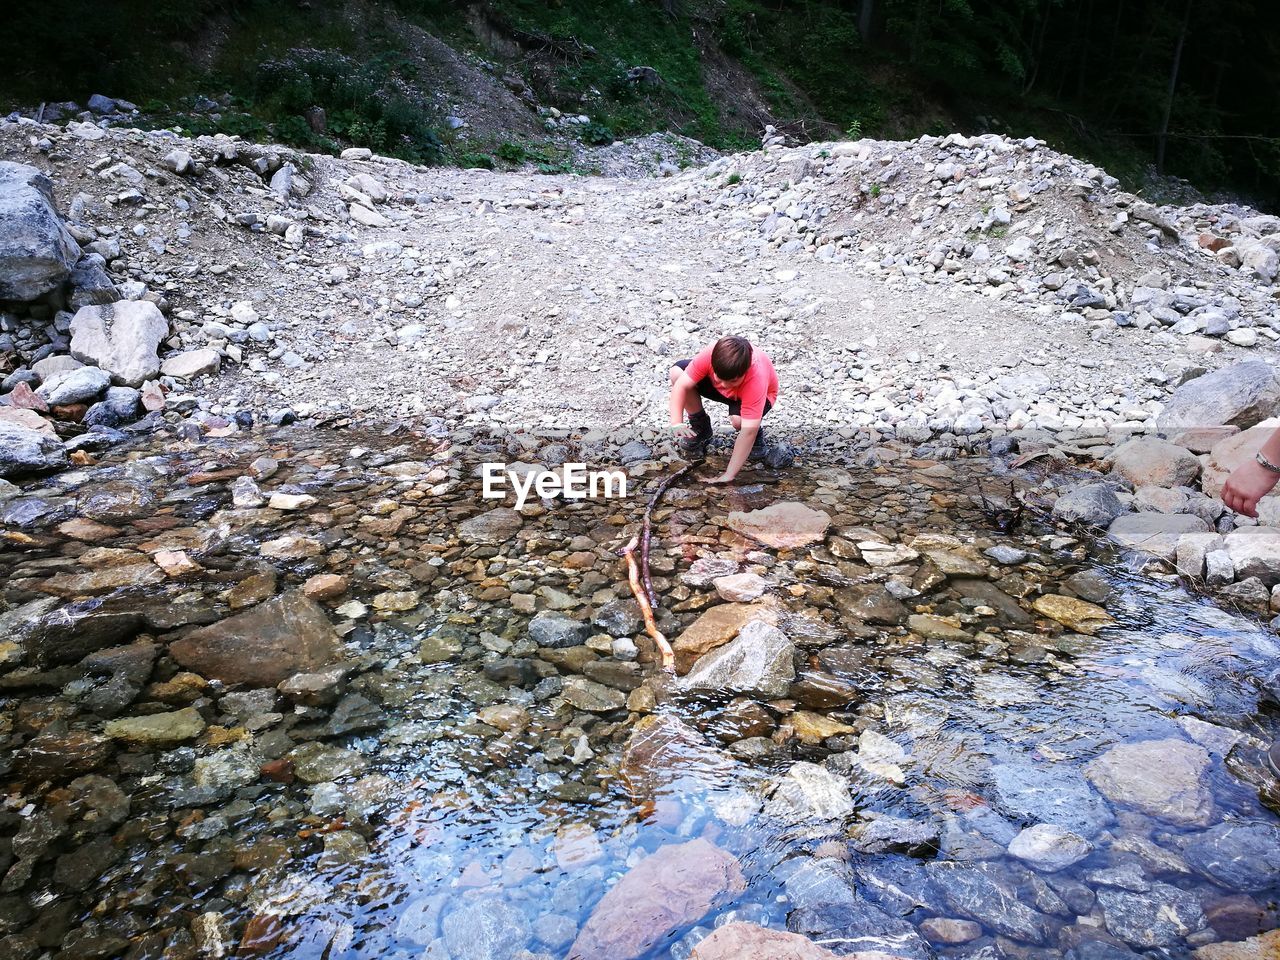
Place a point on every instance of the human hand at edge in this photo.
(1248, 484)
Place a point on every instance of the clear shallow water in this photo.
(441, 835)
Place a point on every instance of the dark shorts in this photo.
(707, 390)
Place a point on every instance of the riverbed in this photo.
(304, 693)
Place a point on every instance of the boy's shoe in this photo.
(702, 433)
(776, 456)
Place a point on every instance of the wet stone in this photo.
(1238, 856)
(557, 630)
(1163, 778)
(859, 927)
(318, 763)
(1050, 794)
(985, 893)
(263, 646)
(1160, 917)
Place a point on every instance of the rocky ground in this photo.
(952, 294)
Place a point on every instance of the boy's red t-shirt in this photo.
(761, 382)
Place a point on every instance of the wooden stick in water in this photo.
(638, 573)
(646, 609)
(646, 535)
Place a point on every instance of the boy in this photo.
(733, 372)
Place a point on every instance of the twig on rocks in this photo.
(638, 571)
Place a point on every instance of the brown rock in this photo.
(24, 398)
(782, 525)
(325, 586)
(746, 941)
(948, 930)
(281, 771)
(1264, 947)
(1207, 241)
(176, 563)
(101, 580)
(670, 889)
(715, 628)
(280, 637)
(1078, 615)
(252, 589)
(90, 531)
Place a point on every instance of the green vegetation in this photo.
(1145, 85)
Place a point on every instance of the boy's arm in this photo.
(741, 450)
(1251, 481)
(675, 405)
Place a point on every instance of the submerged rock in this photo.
(783, 525)
(1078, 615)
(672, 888)
(1050, 794)
(715, 628)
(747, 941)
(1046, 846)
(1162, 778)
(1238, 856)
(1159, 917)
(759, 661)
(858, 927)
(487, 929)
(985, 893)
(158, 729)
(261, 647)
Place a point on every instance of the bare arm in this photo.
(741, 449)
(1251, 481)
(679, 394)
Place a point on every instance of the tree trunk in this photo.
(865, 12)
(1163, 137)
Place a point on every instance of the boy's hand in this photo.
(716, 481)
(681, 431)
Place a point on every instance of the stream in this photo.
(299, 692)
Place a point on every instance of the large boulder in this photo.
(1157, 462)
(122, 338)
(759, 662)
(668, 890)
(1154, 533)
(1095, 504)
(24, 450)
(1242, 395)
(36, 250)
(264, 645)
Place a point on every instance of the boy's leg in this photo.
(692, 401)
(698, 419)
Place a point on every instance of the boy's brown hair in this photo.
(731, 357)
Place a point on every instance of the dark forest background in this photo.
(1150, 89)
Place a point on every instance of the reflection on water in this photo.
(950, 771)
